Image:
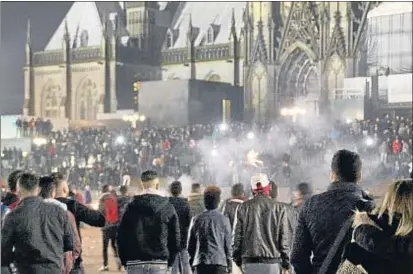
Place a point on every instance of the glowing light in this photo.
(25, 153)
(214, 152)
(348, 121)
(284, 112)
(120, 140)
(142, 118)
(369, 141)
(252, 159)
(250, 135)
(39, 141)
(223, 127)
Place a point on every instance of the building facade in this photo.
(281, 53)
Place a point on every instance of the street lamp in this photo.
(293, 112)
(133, 118)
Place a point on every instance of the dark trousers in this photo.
(109, 233)
(210, 269)
(77, 269)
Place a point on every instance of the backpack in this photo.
(111, 209)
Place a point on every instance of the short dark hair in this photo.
(175, 188)
(347, 166)
(237, 190)
(47, 185)
(274, 190)
(123, 190)
(28, 181)
(305, 189)
(149, 175)
(13, 178)
(105, 188)
(196, 187)
(212, 197)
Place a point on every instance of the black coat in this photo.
(376, 247)
(149, 230)
(229, 208)
(40, 233)
(183, 210)
(269, 243)
(320, 220)
(83, 214)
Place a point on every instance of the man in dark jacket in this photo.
(80, 211)
(322, 216)
(39, 232)
(123, 200)
(149, 237)
(11, 199)
(181, 206)
(209, 242)
(230, 207)
(261, 233)
(196, 200)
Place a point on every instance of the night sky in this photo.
(45, 17)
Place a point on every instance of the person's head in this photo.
(12, 180)
(105, 188)
(302, 192)
(237, 191)
(123, 190)
(175, 188)
(274, 190)
(346, 167)
(47, 187)
(62, 187)
(27, 185)
(196, 188)
(399, 200)
(212, 197)
(150, 179)
(260, 184)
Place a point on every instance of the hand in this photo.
(285, 271)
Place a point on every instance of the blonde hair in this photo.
(399, 200)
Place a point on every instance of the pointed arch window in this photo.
(210, 35)
(169, 39)
(84, 38)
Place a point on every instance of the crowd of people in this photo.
(100, 156)
(33, 127)
(342, 230)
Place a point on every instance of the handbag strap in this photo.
(336, 245)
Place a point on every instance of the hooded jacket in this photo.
(70, 256)
(149, 231)
(377, 249)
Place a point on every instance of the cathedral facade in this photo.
(281, 53)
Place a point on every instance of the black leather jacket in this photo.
(261, 233)
(209, 241)
(229, 209)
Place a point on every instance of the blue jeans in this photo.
(181, 264)
(261, 268)
(147, 269)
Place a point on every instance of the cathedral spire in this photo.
(29, 35)
(66, 36)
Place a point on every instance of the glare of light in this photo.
(25, 153)
(369, 141)
(252, 159)
(348, 121)
(2, 155)
(39, 141)
(223, 127)
(53, 141)
(142, 118)
(120, 140)
(136, 151)
(214, 152)
(284, 111)
(410, 167)
(250, 135)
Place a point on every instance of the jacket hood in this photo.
(56, 202)
(149, 204)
